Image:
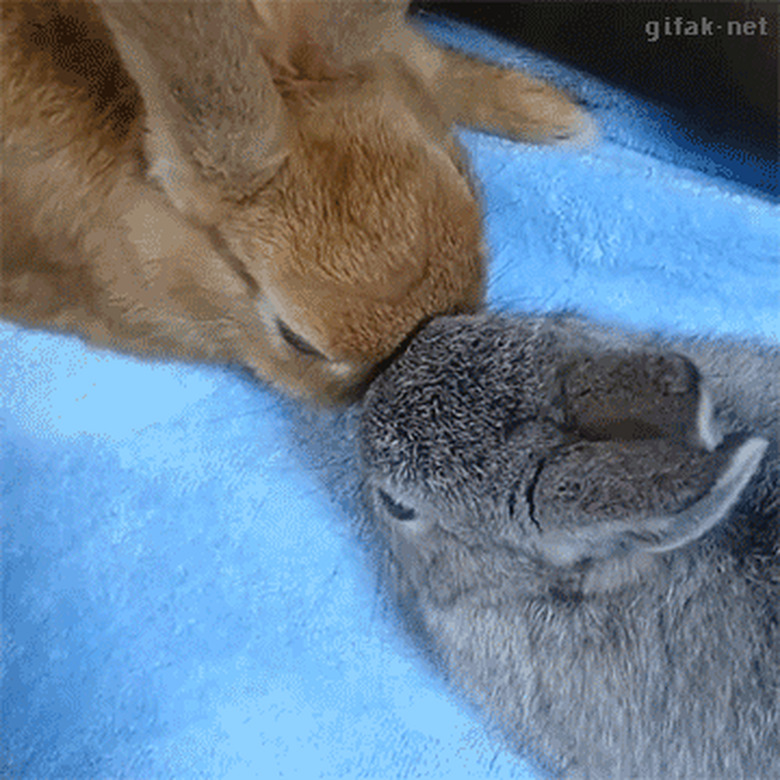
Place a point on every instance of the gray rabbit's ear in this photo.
(215, 122)
(605, 499)
(642, 395)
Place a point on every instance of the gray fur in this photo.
(585, 526)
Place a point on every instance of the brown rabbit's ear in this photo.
(215, 122)
(308, 43)
(607, 499)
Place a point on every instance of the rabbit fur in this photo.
(271, 184)
(583, 527)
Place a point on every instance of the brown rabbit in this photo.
(273, 184)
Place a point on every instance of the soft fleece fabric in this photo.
(182, 598)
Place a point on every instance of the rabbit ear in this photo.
(608, 499)
(694, 521)
(642, 395)
(215, 123)
(308, 43)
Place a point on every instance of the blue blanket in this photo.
(182, 598)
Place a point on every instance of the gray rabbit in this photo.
(584, 526)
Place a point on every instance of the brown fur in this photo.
(177, 177)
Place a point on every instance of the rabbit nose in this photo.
(398, 510)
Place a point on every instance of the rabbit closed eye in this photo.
(265, 183)
(592, 553)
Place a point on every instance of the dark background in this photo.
(724, 88)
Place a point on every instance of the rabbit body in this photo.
(271, 184)
(584, 526)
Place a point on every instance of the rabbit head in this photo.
(334, 186)
(581, 529)
(503, 457)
